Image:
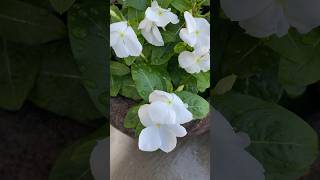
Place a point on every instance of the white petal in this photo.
(168, 139)
(151, 14)
(266, 23)
(161, 113)
(183, 115)
(154, 4)
(157, 34)
(205, 63)
(120, 49)
(203, 41)
(190, 22)
(149, 139)
(144, 115)
(118, 26)
(114, 38)
(238, 10)
(143, 24)
(150, 38)
(303, 15)
(158, 95)
(193, 69)
(178, 130)
(189, 38)
(173, 18)
(186, 59)
(163, 20)
(203, 25)
(132, 43)
(98, 164)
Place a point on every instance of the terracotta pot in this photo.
(119, 107)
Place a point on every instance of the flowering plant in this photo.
(161, 55)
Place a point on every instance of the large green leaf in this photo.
(182, 5)
(138, 4)
(88, 36)
(59, 87)
(148, 79)
(19, 66)
(22, 22)
(128, 88)
(198, 106)
(61, 6)
(280, 140)
(73, 162)
(300, 62)
(161, 55)
(118, 69)
(115, 85)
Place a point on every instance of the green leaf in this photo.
(181, 46)
(182, 5)
(181, 77)
(171, 34)
(135, 16)
(118, 69)
(128, 88)
(198, 106)
(203, 80)
(115, 14)
(148, 79)
(300, 57)
(73, 163)
(161, 55)
(59, 86)
(225, 84)
(138, 129)
(284, 153)
(25, 23)
(138, 4)
(132, 119)
(19, 66)
(87, 29)
(164, 3)
(115, 85)
(130, 60)
(61, 6)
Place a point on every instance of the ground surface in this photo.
(31, 140)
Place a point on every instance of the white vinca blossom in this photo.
(197, 32)
(262, 18)
(124, 40)
(155, 17)
(162, 119)
(196, 61)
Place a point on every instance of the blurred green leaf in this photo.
(128, 88)
(59, 88)
(203, 80)
(138, 4)
(19, 66)
(182, 5)
(61, 6)
(132, 119)
(25, 23)
(284, 153)
(161, 55)
(88, 37)
(115, 85)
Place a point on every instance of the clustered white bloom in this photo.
(262, 18)
(124, 40)
(197, 35)
(162, 118)
(155, 17)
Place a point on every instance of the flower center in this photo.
(158, 125)
(198, 60)
(121, 34)
(197, 32)
(160, 13)
(169, 102)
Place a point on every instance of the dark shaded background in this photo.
(32, 139)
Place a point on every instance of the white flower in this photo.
(150, 32)
(161, 17)
(197, 32)
(196, 61)
(156, 17)
(98, 164)
(123, 40)
(162, 119)
(262, 18)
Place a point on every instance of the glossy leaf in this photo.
(87, 30)
(198, 106)
(25, 23)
